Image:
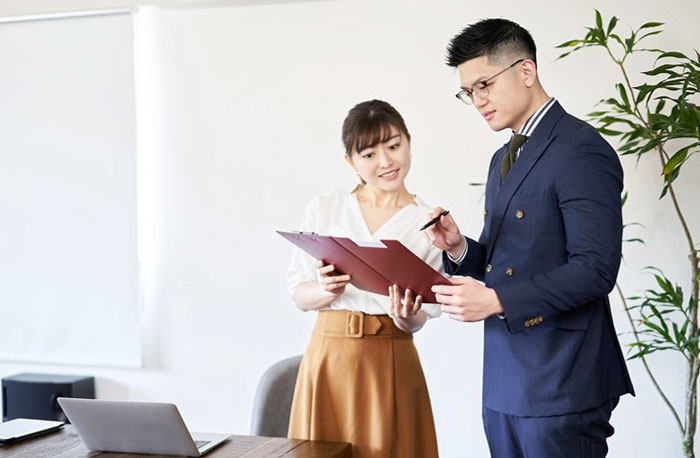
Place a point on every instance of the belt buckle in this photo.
(355, 319)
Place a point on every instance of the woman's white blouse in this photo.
(338, 214)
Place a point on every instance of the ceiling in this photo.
(9, 8)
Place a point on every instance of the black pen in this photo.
(434, 220)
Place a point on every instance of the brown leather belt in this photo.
(357, 325)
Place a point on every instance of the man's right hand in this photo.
(445, 234)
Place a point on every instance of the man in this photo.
(548, 254)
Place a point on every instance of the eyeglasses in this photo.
(481, 89)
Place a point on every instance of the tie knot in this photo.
(516, 142)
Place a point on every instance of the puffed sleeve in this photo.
(302, 266)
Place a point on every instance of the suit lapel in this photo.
(535, 146)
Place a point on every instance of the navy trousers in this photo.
(577, 435)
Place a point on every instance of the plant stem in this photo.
(691, 401)
(646, 366)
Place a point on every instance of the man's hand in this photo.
(467, 300)
(445, 234)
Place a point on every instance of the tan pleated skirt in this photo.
(361, 381)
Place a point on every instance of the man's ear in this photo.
(528, 71)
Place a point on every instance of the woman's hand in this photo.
(445, 234)
(406, 312)
(334, 284)
(312, 295)
(405, 308)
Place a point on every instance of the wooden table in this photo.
(66, 444)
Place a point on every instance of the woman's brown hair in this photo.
(369, 123)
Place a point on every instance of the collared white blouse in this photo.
(338, 213)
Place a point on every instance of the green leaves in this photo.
(623, 95)
(666, 68)
(603, 36)
(674, 54)
(649, 25)
(676, 160)
(664, 321)
(596, 36)
(648, 116)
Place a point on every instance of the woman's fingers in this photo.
(334, 287)
(326, 269)
(333, 284)
(407, 303)
(411, 304)
(337, 279)
(397, 300)
(417, 304)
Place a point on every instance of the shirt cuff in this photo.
(461, 257)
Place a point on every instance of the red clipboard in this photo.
(372, 266)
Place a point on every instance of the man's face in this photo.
(506, 103)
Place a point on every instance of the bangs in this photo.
(371, 132)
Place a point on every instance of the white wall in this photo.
(239, 118)
(68, 231)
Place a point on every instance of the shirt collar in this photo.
(534, 120)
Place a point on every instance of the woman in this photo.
(360, 380)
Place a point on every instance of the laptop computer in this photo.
(135, 427)
(25, 428)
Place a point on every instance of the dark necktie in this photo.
(515, 143)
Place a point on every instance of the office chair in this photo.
(273, 399)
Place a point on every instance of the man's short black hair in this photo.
(494, 38)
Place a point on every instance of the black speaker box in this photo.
(34, 395)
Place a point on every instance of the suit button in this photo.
(509, 271)
(539, 319)
(489, 267)
(519, 214)
(527, 323)
(486, 213)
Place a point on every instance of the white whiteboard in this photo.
(69, 289)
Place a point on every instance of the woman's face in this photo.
(386, 164)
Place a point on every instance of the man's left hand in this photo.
(467, 299)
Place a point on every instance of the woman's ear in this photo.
(350, 161)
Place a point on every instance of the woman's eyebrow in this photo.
(391, 138)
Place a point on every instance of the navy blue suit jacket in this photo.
(551, 249)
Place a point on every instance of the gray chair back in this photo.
(273, 399)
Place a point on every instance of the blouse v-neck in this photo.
(358, 209)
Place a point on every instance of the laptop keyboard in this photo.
(200, 444)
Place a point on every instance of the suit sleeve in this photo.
(473, 264)
(588, 186)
